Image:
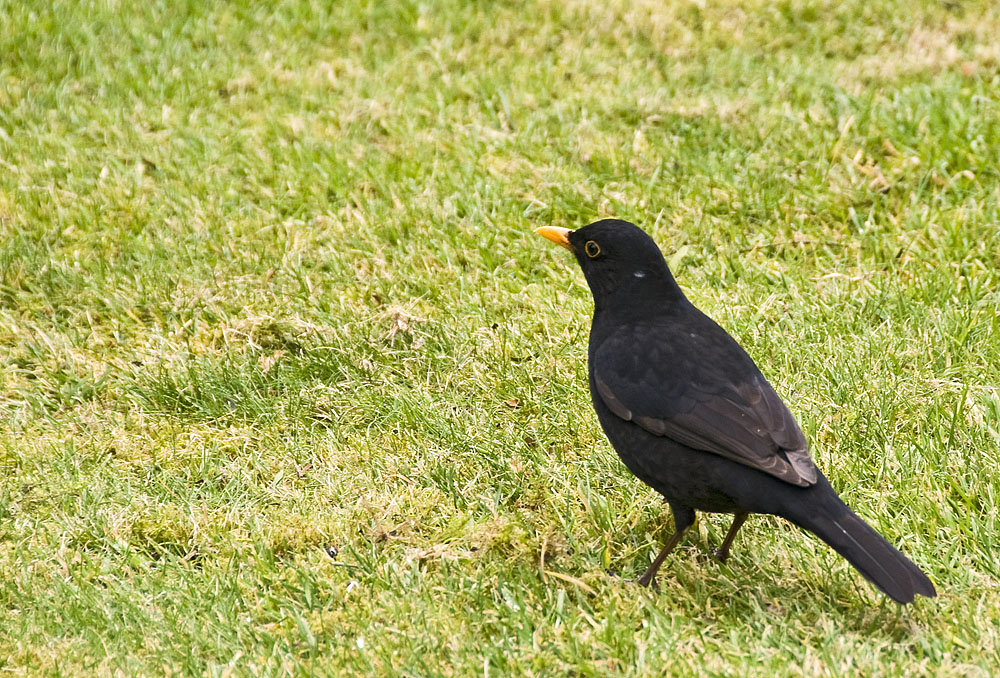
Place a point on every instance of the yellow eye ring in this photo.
(592, 249)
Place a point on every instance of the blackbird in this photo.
(690, 414)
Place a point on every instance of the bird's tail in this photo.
(868, 551)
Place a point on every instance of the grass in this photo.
(289, 387)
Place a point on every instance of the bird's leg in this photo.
(649, 576)
(722, 553)
(683, 519)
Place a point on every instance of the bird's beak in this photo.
(559, 236)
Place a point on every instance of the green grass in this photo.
(288, 386)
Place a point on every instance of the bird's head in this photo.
(622, 264)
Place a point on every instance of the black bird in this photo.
(690, 414)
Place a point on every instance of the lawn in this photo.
(288, 386)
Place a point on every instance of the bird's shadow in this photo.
(746, 585)
(746, 594)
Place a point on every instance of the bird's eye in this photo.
(592, 249)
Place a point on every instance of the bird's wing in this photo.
(704, 392)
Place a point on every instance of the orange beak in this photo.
(559, 236)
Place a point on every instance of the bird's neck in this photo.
(637, 294)
(631, 304)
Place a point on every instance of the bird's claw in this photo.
(648, 582)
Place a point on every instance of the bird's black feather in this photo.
(723, 405)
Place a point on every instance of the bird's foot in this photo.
(722, 555)
(649, 581)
